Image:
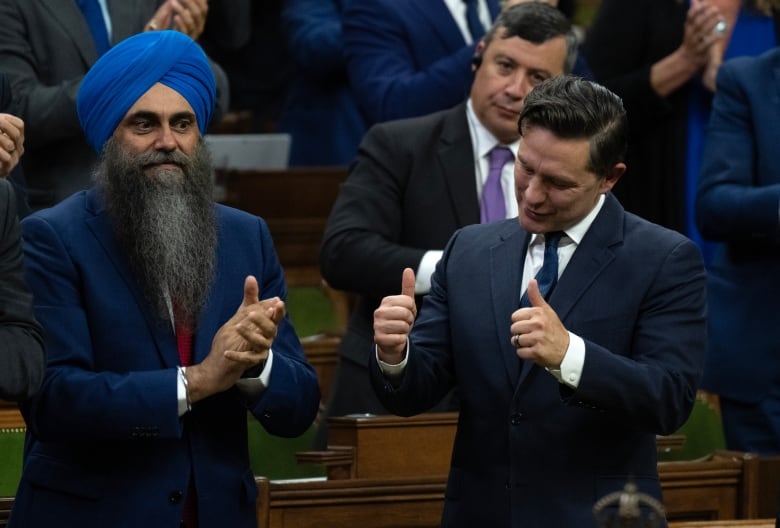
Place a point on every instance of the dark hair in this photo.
(535, 22)
(573, 108)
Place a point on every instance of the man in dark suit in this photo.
(416, 181)
(46, 47)
(560, 399)
(408, 58)
(156, 352)
(21, 342)
(737, 207)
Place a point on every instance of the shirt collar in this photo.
(576, 232)
(483, 140)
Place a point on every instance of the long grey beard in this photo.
(164, 222)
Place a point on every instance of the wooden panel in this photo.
(706, 489)
(322, 352)
(10, 417)
(429, 437)
(295, 203)
(6, 503)
(378, 503)
(751, 523)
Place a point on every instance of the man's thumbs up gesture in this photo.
(537, 333)
(393, 321)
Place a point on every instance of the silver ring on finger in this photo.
(516, 340)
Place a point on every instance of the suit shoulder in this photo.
(419, 125)
(654, 236)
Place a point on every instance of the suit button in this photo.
(175, 496)
(516, 418)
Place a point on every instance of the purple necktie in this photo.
(493, 205)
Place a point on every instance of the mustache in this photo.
(158, 157)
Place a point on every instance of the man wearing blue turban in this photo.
(164, 314)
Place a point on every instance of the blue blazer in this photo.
(105, 444)
(530, 452)
(320, 97)
(406, 58)
(737, 206)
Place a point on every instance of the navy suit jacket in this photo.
(106, 446)
(406, 57)
(737, 206)
(530, 452)
(320, 97)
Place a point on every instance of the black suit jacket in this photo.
(21, 343)
(411, 186)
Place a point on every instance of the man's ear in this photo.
(476, 60)
(612, 176)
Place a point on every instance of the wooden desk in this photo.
(705, 489)
(750, 523)
(359, 503)
(10, 417)
(366, 446)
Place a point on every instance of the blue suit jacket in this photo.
(320, 97)
(106, 446)
(406, 58)
(530, 452)
(737, 206)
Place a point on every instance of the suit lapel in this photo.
(440, 21)
(455, 156)
(590, 259)
(588, 262)
(162, 334)
(68, 15)
(506, 273)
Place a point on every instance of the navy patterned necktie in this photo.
(547, 275)
(476, 28)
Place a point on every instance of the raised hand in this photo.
(240, 344)
(187, 16)
(537, 333)
(11, 143)
(393, 321)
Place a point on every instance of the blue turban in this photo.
(126, 71)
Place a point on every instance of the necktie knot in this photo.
(500, 156)
(547, 275)
(493, 207)
(552, 239)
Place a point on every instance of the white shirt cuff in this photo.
(427, 266)
(571, 367)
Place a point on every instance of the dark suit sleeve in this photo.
(315, 36)
(361, 248)
(48, 109)
(739, 190)
(644, 366)
(382, 69)
(21, 342)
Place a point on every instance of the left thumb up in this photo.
(534, 295)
